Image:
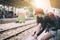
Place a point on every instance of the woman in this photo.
(45, 23)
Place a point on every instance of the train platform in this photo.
(8, 20)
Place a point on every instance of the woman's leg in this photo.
(46, 36)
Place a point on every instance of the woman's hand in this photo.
(35, 35)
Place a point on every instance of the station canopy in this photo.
(55, 3)
(27, 3)
(16, 3)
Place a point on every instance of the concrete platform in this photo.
(8, 20)
(55, 38)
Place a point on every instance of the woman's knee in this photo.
(43, 39)
(46, 36)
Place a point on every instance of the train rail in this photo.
(10, 33)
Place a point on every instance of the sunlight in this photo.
(41, 3)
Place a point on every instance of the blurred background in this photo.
(23, 9)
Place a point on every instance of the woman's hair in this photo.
(50, 14)
(39, 11)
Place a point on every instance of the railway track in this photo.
(23, 35)
(19, 33)
(11, 33)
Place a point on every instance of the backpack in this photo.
(58, 22)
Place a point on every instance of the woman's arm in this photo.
(38, 28)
